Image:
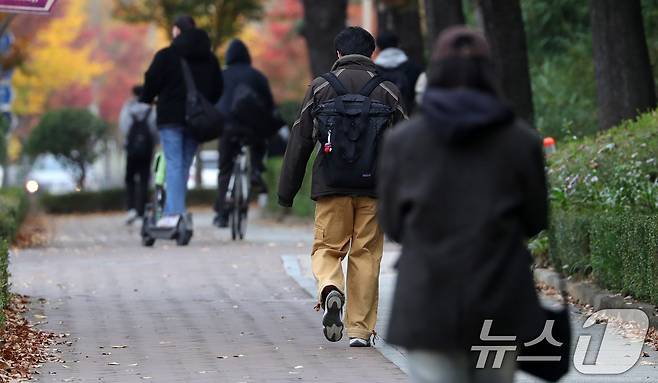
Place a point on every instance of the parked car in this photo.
(49, 175)
(209, 170)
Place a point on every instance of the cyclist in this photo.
(247, 105)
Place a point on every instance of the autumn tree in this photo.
(403, 18)
(72, 136)
(503, 24)
(222, 19)
(57, 60)
(625, 84)
(323, 20)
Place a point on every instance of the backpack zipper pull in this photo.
(327, 147)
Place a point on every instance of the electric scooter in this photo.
(158, 226)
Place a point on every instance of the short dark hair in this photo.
(138, 90)
(355, 41)
(464, 72)
(387, 39)
(184, 22)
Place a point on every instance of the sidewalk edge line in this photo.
(293, 269)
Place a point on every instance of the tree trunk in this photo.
(625, 85)
(82, 175)
(503, 24)
(403, 18)
(441, 14)
(323, 20)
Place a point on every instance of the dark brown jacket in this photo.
(353, 71)
(462, 186)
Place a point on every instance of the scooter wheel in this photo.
(183, 239)
(148, 241)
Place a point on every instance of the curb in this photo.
(588, 293)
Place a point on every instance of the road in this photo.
(215, 311)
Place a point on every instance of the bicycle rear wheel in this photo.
(236, 195)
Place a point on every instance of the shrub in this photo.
(13, 208)
(72, 135)
(616, 170)
(109, 200)
(303, 206)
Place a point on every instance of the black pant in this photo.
(229, 148)
(138, 175)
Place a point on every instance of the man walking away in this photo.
(138, 127)
(395, 66)
(351, 107)
(164, 80)
(462, 187)
(247, 105)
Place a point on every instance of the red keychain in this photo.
(327, 147)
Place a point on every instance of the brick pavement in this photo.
(216, 311)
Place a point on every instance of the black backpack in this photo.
(139, 142)
(248, 108)
(203, 120)
(349, 128)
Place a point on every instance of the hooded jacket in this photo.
(239, 71)
(461, 187)
(395, 65)
(354, 71)
(164, 78)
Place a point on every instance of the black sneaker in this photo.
(332, 319)
(221, 221)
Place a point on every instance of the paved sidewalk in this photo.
(216, 311)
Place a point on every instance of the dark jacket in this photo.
(239, 71)
(462, 186)
(164, 78)
(353, 71)
(396, 66)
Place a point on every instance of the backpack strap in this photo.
(371, 85)
(335, 83)
(187, 76)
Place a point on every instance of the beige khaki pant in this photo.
(345, 225)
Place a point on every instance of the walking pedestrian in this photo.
(462, 187)
(345, 110)
(137, 123)
(395, 66)
(165, 81)
(247, 105)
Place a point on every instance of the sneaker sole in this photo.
(333, 325)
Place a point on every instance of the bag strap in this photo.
(371, 85)
(335, 83)
(187, 76)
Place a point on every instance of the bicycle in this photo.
(239, 191)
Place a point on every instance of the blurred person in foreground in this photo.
(247, 105)
(164, 81)
(346, 111)
(137, 124)
(462, 187)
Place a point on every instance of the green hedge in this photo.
(618, 249)
(303, 206)
(108, 200)
(13, 208)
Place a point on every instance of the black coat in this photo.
(462, 186)
(164, 77)
(239, 71)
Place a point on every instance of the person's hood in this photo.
(354, 62)
(391, 58)
(461, 114)
(192, 44)
(237, 53)
(138, 109)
